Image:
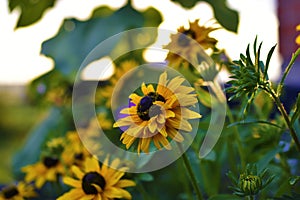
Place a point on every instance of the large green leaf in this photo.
(227, 17)
(30, 10)
(56, 123)
(77, 38)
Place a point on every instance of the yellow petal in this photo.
(163, 79)
(87, 197)
(152, 125)
(184, 89)
(175, 135)
(91, 164)
(40, 181)
(144, 89)
(115, 163)
(298, 27)
(169, 114)
(113, 193)
(126, 121)
(175, 83)
(78, 173)
(150, 88)
(189, 114)
(72, 182)
(125, 183)
(135, 98)
(298, 40)
(164, 142)
(74, 194)
(163, 131)
(145, 144)
(156, 142)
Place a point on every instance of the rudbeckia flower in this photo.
(159, 114)
(97, 183)
(19, 191)
(298, 37)
(186, 43)
(74, 152)
(46, 170)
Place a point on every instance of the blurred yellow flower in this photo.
(95, 182)
(158, 114)
(20, 191)
(186, 43)
(298, 37)
(104, 121)
(47, 169)
(74, 152)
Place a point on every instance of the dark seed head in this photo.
(90, 179)
(78, 156)
(146, 105)
(50, 162)
(186, 37)
(10, 192)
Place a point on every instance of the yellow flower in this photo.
(185, 43)
(74, 152)
(46, 170)
(97, 183)
(107, 90)
(158, 114)
(298, 37)
(104, 121)
(20, 191)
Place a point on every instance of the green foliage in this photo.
(30, 10)
(227, 17)
(250, 182)
(248, 76)
(76, 38)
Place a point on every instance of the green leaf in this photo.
(32, 149)
(265, 160)
(31, 10)
(227, 17)
(248, 122)
(268, 60)
(294, 179)
(145, 177)
(297, 110)
(77, 38)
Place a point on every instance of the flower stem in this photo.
(287, 70)
(285, 115)
(190, 172)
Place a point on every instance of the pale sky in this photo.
(20, 49)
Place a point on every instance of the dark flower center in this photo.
(10, 192)
(50, 162)
(89, 180)
(185, 38)
(78, 156)
(146, 109)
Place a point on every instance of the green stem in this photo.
(191, 173)
(143, 192)
(287, 70)
(284, 114)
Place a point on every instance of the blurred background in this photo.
(273, 21)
